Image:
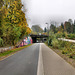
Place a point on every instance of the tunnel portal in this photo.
(39, 38)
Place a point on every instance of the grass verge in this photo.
(64, 56)
(12, 51)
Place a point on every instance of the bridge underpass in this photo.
(39, 38)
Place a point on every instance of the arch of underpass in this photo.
(39, 38)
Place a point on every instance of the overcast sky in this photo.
(41, 11)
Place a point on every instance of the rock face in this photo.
(37, 28)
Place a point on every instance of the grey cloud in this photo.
(42, 11)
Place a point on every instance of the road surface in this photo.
(53, 64)
(37, 59)
(22, 63)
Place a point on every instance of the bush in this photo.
(73, 46)
(71, 36)
(65, 44)
(59, 35)
(65, 52)
(55, 43)
(72, 55)
(67, 48)
(49, 42)
(65, 34)
(61, 43)
(51, 37)
(1, 41)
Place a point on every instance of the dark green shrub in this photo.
(49, 42)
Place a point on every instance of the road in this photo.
(53, 64)
(22, 63)
(37, 59)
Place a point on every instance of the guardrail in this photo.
(69, 40)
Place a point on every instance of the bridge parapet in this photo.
(35, 37)
(38, 36)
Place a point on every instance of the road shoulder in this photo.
(54, 64)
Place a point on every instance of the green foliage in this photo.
(67, 48)
(55, 43)
(66, 30)
(74, 28)
(64, 45)
(13, 24)
(13, 50)
(1, 3)
(65, 34)
(59, 35)
(68, 27)
(65, 52)
(15, 36)
(51, 37)
(53, 28)
(72, 55)
(62, 25)
(71, 36)
(61, 44)
(1, 41)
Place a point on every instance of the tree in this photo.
(61, 28)
(74, 27)
(67, 27)
(13, 24)
(70, 20)
(1, 3)
(53, 28)
(1, 14)
(62, 25)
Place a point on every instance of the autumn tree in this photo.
(13, 24)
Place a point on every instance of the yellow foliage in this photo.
(28, 30)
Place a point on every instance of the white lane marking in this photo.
(40, 70)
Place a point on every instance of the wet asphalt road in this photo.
(24, 62)
(37, 59)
